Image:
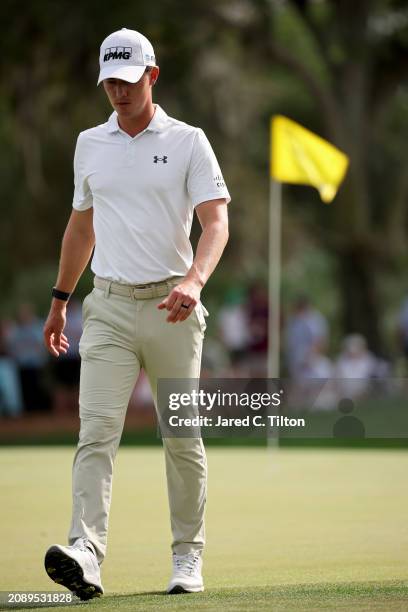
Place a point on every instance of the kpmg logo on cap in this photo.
(116, 53)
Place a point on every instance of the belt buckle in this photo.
(137, 288)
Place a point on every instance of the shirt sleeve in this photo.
(204, 180)
(82, 193)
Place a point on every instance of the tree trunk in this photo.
(358, 275)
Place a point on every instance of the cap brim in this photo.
(132, 74)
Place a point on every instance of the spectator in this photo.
(356, 366)
(11, 401)
(233, 325)
(403, 327)
(68, 366)
(216, 362)
(313, 385)
(317, 364)
(25, 345)
(258, 308)
(306, 334)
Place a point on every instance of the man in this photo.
(138, 179)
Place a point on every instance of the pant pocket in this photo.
(201, 312)
(85, 304)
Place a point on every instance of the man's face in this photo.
(129, 99)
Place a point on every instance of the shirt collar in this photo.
(157, 123)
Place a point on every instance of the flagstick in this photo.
(275, 229)
(275, 223)
(296, 156)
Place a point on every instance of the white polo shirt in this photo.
(143, 191)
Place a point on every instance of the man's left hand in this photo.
(181, 301)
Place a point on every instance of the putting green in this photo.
(310, 529)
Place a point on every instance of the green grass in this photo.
(289, 529)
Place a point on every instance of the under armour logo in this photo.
(162, 159)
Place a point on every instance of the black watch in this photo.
(60, 295)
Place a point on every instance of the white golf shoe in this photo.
(186, 576)
(76, 568)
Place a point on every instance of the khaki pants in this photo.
(121, 335)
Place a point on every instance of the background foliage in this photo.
(337, 66)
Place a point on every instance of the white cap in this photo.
(125, 55)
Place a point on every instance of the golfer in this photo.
(138, 179)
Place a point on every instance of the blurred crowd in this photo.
(31, 380)
(307, 354)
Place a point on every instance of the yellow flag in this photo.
(300, 156)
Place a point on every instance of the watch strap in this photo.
(60, 295)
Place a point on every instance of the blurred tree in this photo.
(337, 66)
(355, 69)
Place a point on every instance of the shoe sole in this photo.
(66, 571)
(178, 590)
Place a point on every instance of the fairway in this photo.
(309, 529)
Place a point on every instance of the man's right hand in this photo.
(55, 341)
